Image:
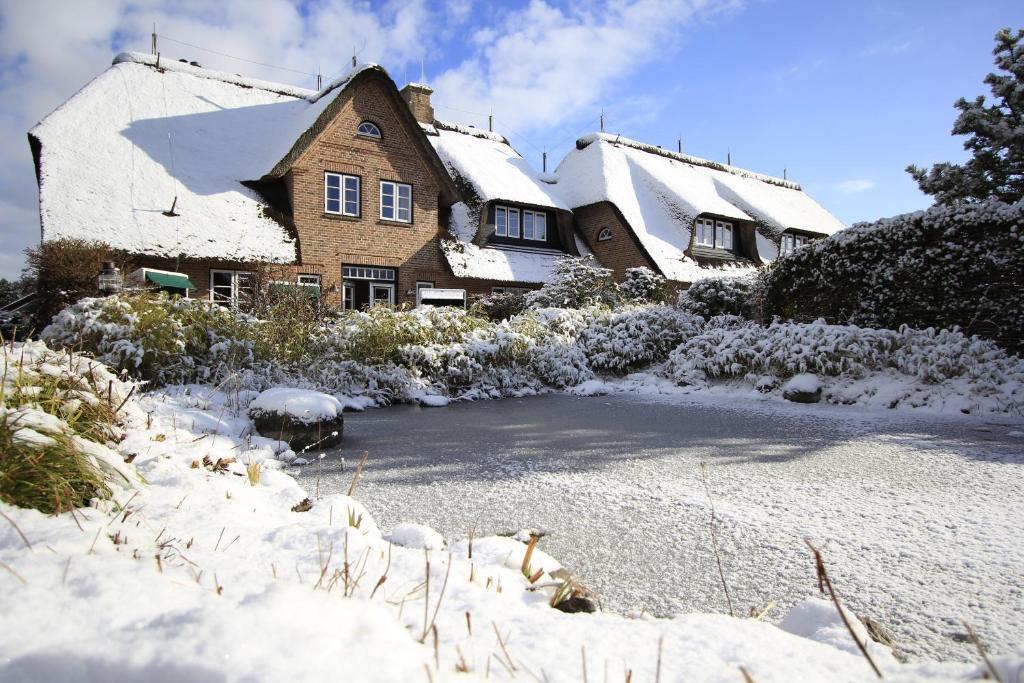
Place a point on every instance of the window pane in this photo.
(387, 200)
(528, 225)
(541, 228)
(727, 236)
(405, 203)
(500, 222)
(513, 222)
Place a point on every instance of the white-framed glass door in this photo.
(382, 293)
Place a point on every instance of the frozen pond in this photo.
(921, 520)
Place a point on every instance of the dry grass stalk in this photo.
(981, 651)
(384, 576)
(440, 597)
(528, 555)
(24, 539)
(359, 471)
(657, 670)
(469, 624)
(504, 649)
(712, 525)
(583, 659)
(461, 665)
(437, 655)
(747, 678)
(252, 471)
(824, 582)
(15, 574)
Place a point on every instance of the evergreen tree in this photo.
(996, 143)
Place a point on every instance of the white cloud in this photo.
(855, 185)
(541, 66)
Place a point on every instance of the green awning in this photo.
(170, 280)
(312, 291)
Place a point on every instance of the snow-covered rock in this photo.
(415, 536)
(299, 416)
(802, 388)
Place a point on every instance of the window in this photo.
(712, 233)
(395, 201)
(535, 225)
(308, 281)
(506, 222)
(791, 243)
(604, 235)
(341, 194)
(348, 296)
(368, 129)
(422, 284)
(232, 288)
(367, 273)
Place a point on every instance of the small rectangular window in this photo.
(395, 201)
(528, 225)
(541, 227)
(726, 235)
(500, 221)
(341, 194)
(513, 222)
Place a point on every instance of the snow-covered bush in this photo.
(948, 266)
(718, 296)
(967, 365)
(623, 340)
(643, 285)
(375, 335)
(499, 307)
(578, 282)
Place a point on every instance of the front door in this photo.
(382, 293)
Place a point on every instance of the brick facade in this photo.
(620, 252)
(328, 241)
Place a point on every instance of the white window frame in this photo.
(348, 296)
(236, 288)
(538, 225)
(307, 280)
(705, 232)
(374, 135)
(605, 234)
(390, 286)
(367, 273)
(343, 191)
(714, 233)
(401, 208)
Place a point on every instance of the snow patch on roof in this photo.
(494, 169)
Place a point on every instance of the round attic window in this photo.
(368, 129)
(604, 235)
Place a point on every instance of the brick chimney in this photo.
(418, 98)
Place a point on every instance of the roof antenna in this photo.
(785, 173)
(319, 78)
(170, 146)
(602, 119)
(353, 56)
(728, 157)
(490, 121)
(153, 43)
(544, 164)
(679, 143)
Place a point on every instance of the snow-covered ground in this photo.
(918, 517)
(203, 576)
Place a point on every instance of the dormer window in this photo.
(368, 130)
(713, 233)
(604, 235)
(520, 224)
(791, 243)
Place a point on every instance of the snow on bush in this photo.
(915, 368)
(642, 285)
(719, 296)
(577, 282)
(948, 266)
(619, 341)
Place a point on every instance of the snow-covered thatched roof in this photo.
(490, 165)
(112, 159)
(660, 193)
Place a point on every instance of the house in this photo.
(511, 227)
(684, 217)
(218, 185)
(220, 178)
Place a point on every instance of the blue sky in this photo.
(844, 95)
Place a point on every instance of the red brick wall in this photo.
(620, 252)
(329, 241)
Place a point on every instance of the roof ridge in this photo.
(586, 140)
(471, 131)
(212, 74)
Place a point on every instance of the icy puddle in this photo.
(919, 519)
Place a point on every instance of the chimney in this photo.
(417, 96)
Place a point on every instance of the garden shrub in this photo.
(719, 296)
(643, 285)
(623, 340)
(577, 282)
(950, 266)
